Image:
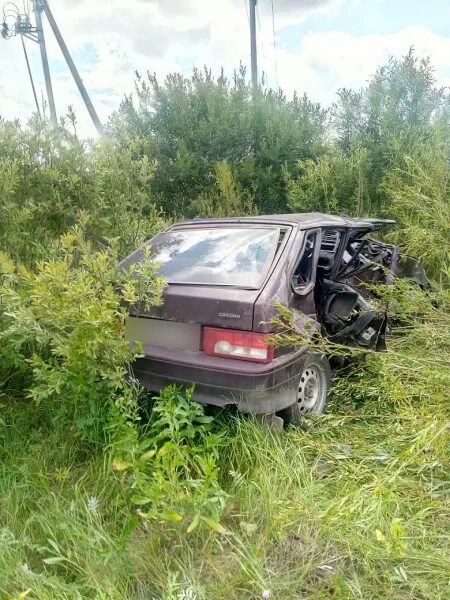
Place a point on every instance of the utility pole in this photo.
(17, 23)
(73, 69)
(254, 58)
(37, 6)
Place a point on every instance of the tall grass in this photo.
(355, 505)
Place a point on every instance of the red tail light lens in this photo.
(239, 345)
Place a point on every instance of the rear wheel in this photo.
(313, 386)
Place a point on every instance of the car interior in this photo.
(345, 315)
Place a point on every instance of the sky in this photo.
(312, 46)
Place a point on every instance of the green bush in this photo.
(190, 124)
(334, 183)
(419, 194)
(48, 177)
(62, 328)
(171, 468)
(225, 199)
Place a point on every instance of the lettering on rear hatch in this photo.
(225, 315)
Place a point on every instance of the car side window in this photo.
(305, 271)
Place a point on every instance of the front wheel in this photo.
(313, 386)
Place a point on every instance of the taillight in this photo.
(240, 345)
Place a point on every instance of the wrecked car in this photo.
(224, 278)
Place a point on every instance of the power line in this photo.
(274, 45)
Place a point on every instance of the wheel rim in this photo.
(312, 389)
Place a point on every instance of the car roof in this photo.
(303, 220)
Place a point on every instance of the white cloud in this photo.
(110, 39)
(326, 62)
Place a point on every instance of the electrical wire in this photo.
(31, 76)
(275, 46)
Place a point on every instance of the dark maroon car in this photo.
(225, 277)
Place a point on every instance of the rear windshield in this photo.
(238, 257)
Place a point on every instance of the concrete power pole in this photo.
(17, 23)
(38, 7)
(254, 57)
(73, 69)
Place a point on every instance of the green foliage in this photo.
(122, 205)
(171, 470)
(392, 117)
(419, 194)
(190, 124)
(225, 199)
(401, 116)
(47, 176)
(42, 170)
(62, 328)
(335, 183)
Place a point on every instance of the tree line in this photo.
(207, 146)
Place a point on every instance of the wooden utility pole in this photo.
(253, 50)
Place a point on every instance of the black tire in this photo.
(313, 386)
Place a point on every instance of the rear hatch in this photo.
(177, 323)
(214, 276)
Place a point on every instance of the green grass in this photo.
(354, 506)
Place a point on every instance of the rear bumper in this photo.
(253, 387)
